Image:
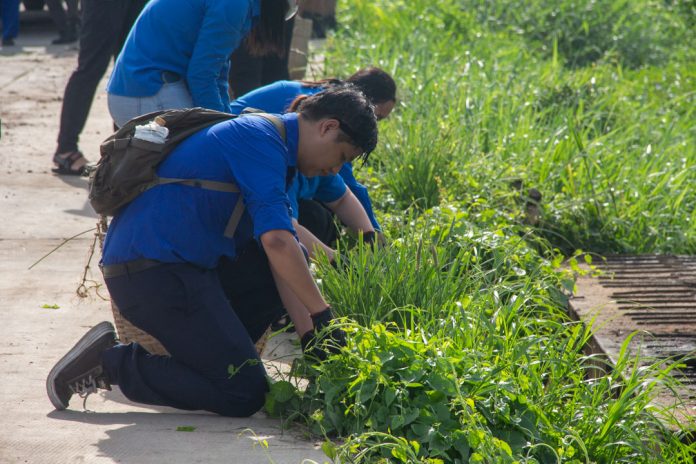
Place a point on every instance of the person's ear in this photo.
(327, 125)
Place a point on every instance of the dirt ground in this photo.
(41, 316)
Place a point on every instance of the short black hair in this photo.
(351, 108)
(377, 85)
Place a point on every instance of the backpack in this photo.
(128, 165)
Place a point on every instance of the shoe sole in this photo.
(87, 339)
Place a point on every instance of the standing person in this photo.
(177, 55)
(162, 249)
(379, 88)
(10, 21)
(105, 25)
(67, 24)
(249, 71)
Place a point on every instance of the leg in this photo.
(73, 10)
(10, 21)
(57, 13)
(96, 49)
(274, 67)
(127, 18)
(251, 290)
(186, 309)
(245, 72)
(319, 220)
(104, 28)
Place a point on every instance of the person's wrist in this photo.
(322, 318)
(368, 237)
(321, 313)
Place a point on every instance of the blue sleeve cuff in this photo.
(271, 217)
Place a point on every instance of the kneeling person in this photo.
(161, 252)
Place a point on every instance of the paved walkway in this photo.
(41, 316)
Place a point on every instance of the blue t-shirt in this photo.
(276, 98)
(321, 188)
(179, 223)
(193, 39)
(273, 98)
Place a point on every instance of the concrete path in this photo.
(41, 316)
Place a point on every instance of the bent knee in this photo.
(248, 396)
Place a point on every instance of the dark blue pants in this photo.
(185, 308)
(10, 18)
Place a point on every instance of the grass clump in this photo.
(460, 349)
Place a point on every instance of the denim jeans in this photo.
(10, 18)
(105, 24)
(172, 95)
(185, 308)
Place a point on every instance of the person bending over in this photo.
(177, 53)
(162, 250)
(377, 85)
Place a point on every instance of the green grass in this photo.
(460, 349)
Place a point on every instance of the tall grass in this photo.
(460, 349)
(611, 146)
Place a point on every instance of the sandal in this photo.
(65, 164)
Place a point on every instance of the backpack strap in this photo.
(275, 120)
(215, 185)
(230, 187)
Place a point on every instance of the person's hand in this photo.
(368, 238)
(323, 340)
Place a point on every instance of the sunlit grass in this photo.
(460, 347)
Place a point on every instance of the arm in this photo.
(311, 242)
(219, 35)
(296, 310)
(360, 192)
(349, 210)
(290, 268)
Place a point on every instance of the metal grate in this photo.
(655, 294)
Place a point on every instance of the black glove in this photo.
(313, 341)
(368, 238)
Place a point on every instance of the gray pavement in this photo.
(41, 316)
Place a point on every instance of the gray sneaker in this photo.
(80, 370)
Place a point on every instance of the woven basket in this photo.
(128, 333)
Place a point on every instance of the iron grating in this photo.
(654, 295)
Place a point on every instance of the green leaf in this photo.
(283, 391)
(329, 450)
(185, 428)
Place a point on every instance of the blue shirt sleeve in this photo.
(329, 188)
(219, 35)
(294, 196)
(360, 191)
(259, 165)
